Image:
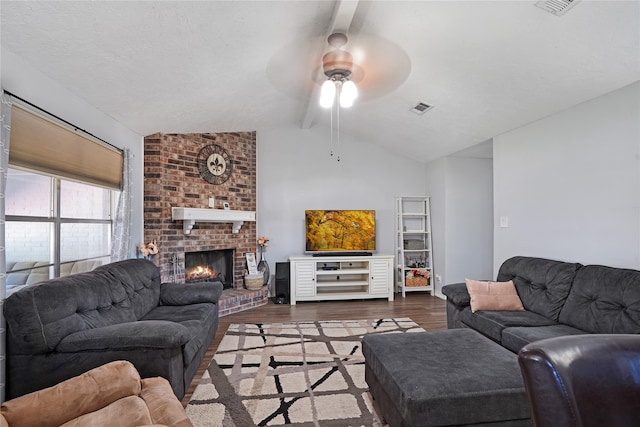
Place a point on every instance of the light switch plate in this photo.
(212, 202)
(504, 222)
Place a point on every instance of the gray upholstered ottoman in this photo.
(444, 378)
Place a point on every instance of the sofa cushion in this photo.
(164, 407)
(137, 334)
(491, 323)
(604, 300)
(41, 315)
(76, 267)
(542, 284)
(196, 318)
(85, 393)
(517, 337)
(493, 296)
(16, 278)
(174, 293)
(27, 277)
(141, 281)
(137, 414)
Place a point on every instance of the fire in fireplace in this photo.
(206, 265)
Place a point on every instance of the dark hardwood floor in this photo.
(424, 309)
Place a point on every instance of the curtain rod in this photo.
(76, 128)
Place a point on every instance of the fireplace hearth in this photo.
(203, 266)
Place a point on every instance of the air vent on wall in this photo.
(556, 7)
(421, 108)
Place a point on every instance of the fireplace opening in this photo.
(206, 265)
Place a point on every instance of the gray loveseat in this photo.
(63, 327)
(559, 298)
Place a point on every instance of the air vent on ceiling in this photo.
(556, 7)
(421, 108)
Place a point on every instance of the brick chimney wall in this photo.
(171, 179)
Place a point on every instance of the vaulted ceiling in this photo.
(208, 66)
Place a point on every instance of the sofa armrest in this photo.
(190, 293)
(74, 397)
(164, 407)
(142, 333)
(457, 294)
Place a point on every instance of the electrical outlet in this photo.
(212, 202)
(438, 278)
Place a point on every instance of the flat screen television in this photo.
(329, 232)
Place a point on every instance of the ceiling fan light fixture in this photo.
(348, 94)
(337, 65)
(327, 93)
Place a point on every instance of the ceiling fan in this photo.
(337, 65)
(363, 65)
(378, 65)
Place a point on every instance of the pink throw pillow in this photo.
(497, 296)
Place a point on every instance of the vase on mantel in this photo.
(263, 266)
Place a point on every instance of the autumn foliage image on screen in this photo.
(340, 231)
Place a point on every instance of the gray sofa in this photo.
(559, 298)
(63, 327)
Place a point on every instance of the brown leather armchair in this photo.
(583, 380)
(110, 395)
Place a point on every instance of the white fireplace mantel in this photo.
(190, 216)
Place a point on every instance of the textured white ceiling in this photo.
(209, 66)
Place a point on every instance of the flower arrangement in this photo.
(418, 272)
(148, 249)
(263, 241)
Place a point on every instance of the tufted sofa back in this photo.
(39, 316)
(140, 279)
(604, 300)
(542, 284)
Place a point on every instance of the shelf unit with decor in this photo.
(414, 257)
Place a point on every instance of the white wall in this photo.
(570, 184)
(21, 79)
(462, 218)
(436, 189)
(295, 173)
(469, 229)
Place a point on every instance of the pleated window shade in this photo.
(43, 145)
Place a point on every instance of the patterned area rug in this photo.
(297, 374)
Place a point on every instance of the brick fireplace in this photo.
(171, 179)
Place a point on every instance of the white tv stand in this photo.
(341, 277)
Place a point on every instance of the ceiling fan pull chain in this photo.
(338, 127)
(331, 126)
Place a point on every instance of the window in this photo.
(54, 227)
